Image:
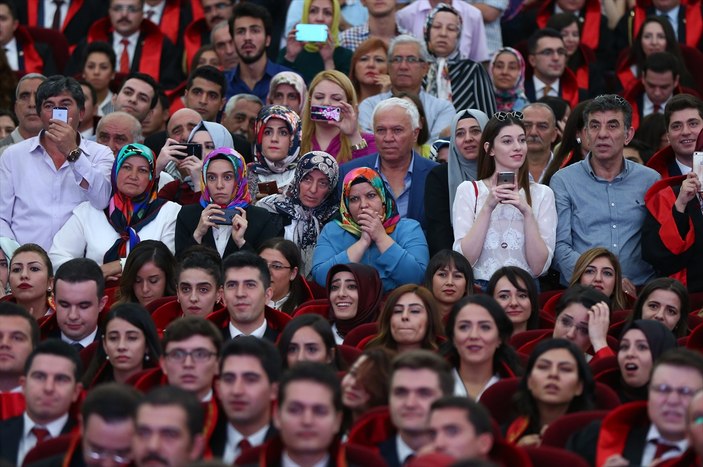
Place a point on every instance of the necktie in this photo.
(408, 459)
(657, 109)
(124, 58)
(40, 433)
(77, 345)
(547, 90)
(150, 14)
(243, 445)
(56, 24)
(662, 449)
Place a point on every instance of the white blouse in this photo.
(505, 239)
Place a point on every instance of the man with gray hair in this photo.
(541, 132)
(26, 110)
(118, 129)
(223, 42)
(408, 63)
(396, 124)
(240, 115)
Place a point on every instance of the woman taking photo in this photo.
(276, 150)
(507, 71)
(342, 139)
(285, 264)
(504, 218)
(478, 331)
(664, 300)
(369, 68)
(31, 280)
(149, 274)
(224, 219)
(133, 214)
(449, 277)
(309, 203)
(371, 232)
(516, 292)
(557, 381)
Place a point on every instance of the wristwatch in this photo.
(362, 145)
(74, 155)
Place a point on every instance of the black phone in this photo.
(192, 149)
(506, 178)
(228, 215)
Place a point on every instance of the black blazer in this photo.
(218, 440)
(439, 233)
(11, 433)
(584, 443)
(270, 334)
(389, 452)
(262, 225)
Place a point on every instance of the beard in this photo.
(249, 59)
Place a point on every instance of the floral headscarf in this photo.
(334, 28)
(390, 217)
(240, 197)
(264, 166)
(438, 81)
(506, 99)
(128, 215)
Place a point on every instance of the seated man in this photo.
(117, 129)
(204, 93)
(250, 369)
(19, 335)
(51, 383)
(25, 110)
(24, 54)
(460, 428)
(138, 95)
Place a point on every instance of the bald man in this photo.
(118, 129)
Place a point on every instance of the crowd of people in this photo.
(312, 233)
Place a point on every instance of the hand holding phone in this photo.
(698, 167)
(506, 178)
(191, 149)
(60, 113)
(311, 33)
(325, 113)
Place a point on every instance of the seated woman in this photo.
(7, 248)
(310, 58)
(449, 277)
(224, 219)
(642, 342)
(478, 331)
(276, 151)
(409, 320)
(557, 381)
(98, 69)
(367, 383)
(461, 81)
(342, 139)
(289, 90)
(515, 291)
(443, 180)
(664, 300)
(371, 232)
(308, 204)
(31, 278)
(369, 68)
(134, 214)
(149, 274)
(130, 344)
(355, 291)
(284, 262)
(599, 268)
(309, 338)
(573, 147)
(504, 222)
(507, 71)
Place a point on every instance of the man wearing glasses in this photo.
(201, 31)
(642, 433)
(550, 77)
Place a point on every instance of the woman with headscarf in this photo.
(133, 214)
(289, 90)
(276, 151)
(463, 82)
(310, 58)
(443, 180)
(371, 232)
(7, 248)
(507, 70)
(309, 203)
(225, 219)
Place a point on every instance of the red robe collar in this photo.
(692, 14)
(661, 160)
(193, 38)
(590, 33)
(31, 61)
(625, 75)
(33, 13)
(12, 404)
(569, 88)
(171, 20)
(615, 428)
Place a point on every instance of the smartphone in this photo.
(268, 188)
(228, 216)
(698, 166)
(325, 113)
(60, 113)
(506, 178)
(311, 33)
(192, 149)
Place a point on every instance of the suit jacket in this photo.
(80, 15)
(270, 334)
(421, 168)
(439, 233)
(584, 443)
(389, 451)
(32, 56)
(218, 440)
(11, 433)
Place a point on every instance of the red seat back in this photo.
(154, 304)
(348, 353)
(546, 456)
(359, 333)
(318, 306)
(695, 339)
(558, 432)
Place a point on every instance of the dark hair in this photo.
(321, 327)
(251, 10)
(290, 251)
(13, 309)
(477, 415)
(637, 55)
(609, 102)
(148, 79)
(372, 43)
(644, 150)
(78, 270)
(681, 357)
(557, 105)
(504, 355)
(93, 94)
(113, 402)
(681, 102)
(261, 349)
(164, 396)
(426, 360)
(12, 7)
(374, 375)
(514, 275)
(671, 285)
(652, 128)
(559, 21)
(208, 73)
(11, 114)
(58, 348)
(424, 135)
(145, 252)
(445, 258)
(101, 48)
(201, 257)
(188, 326)
(199, 53)
(661, 62)
(582, 294)
(319, 373)
(540, 34)
(569, 143)
(58, 84)
(525, 402)
(247, 259)
(34, 248)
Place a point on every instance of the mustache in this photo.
(153, 456)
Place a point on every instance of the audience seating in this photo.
(546, 456)
(558, 432)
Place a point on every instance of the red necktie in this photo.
(56, 24)
(243, 445)
(657, 108)
(124, 58)
(40, 433)
(663, 449)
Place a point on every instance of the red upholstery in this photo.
(545, 456)
(695, 339)
(551, 304)
(695, 300)
(12, 404)
(372, 428)
(531, 337)
(318, 306)
(558, 433)
(50, 447)
(348, 353)
(546, 320)
(356, 335)
(543, 297)
(694, 318)
(56, 41)
(111, 293)
(154, 304)
(603, 364)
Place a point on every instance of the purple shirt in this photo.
(336, 144)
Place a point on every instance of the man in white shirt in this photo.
(26, 111)
(547, 57)
(43, 178)
(19, 334)
(541, 133)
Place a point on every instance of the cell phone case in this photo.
(321, 112)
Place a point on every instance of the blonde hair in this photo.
(343, 81)
(589, 256)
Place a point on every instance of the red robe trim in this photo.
(33, 13)
(33, 63)
(660, 161)
(693, 20)
(12, 404)
(569, 88)
(615, 427)
(170, 20)
(659, 200)
(193, 38)
(590, 33)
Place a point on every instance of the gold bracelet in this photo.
(360, 146)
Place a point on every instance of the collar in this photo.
(559, 10)
(286, 461)
(672, 14)
(648, 105)
(256, 439)
(653, 436)
(683, 167)
(586, 164)
(278, 304)
(539, 84)
(377, 164)
(54, 427)
(132, 38)
(85, 342)
(403, 449)
(258, 332)
(11, 46)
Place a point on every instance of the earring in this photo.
(578, 140)
(48, 289)
(146, 357)
(107, 357)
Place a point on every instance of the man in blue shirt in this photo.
(250, 28)
(600, 200)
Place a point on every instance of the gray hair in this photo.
(136, 126)
(409, 107)
(408, 39)
(217, 27)
(243, 97)
(542, 105)
(606, 102)
(26, 77)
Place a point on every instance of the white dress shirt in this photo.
(540, 85)
(85, 342)
(403, 449)
(258, 332)
(286, 461)
(11, 53)
(648, 105)
(651, 447)
(50, 10)
(28, 440)
(673, 17)
(131, 48)
(232, 450)
(157, 9)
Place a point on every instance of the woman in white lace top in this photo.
(498, 223)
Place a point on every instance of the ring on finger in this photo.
(209, 218)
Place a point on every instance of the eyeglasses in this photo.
(128, 8)
(198, 355)
(503, 116)
(568, 323)
(217, 6)
(549, 52)
(610, 97)
(278, 266)
(398, 59)
(122, 457)
(665, 389)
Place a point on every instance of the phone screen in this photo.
(311, 33)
